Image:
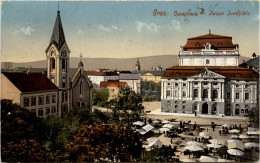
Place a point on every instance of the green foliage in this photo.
(113, 141)
(127, 106)
(100, 97)
(162, 154)
(254, 116)
(150, 90)
(21, 134)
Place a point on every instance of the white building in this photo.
(96, 76)
(132, 80)
(214, 88)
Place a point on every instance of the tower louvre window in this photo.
(63, 63)
(52, 63)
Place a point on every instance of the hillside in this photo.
(116, 63)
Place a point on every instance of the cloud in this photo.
(109, 29)
(80, 31)
(176, 25)
(102, 28)
(25, 30)
(149, 27)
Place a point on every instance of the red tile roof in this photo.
(217, 42)
(112, 84)
(98, 73)
(30, 82)
(231, 72)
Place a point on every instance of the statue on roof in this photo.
(208, 46)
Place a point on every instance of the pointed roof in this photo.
(58, 37)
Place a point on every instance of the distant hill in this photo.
(147, 63)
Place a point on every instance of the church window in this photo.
(66, 96)
(195, 92)
(215, 93)
(205, 93)
(247, 96)
(207, 61)
(52, 63)
(63, 63)
(64, 53)
(81, 88)
(52, 53)
(63, 85)
(237, 95)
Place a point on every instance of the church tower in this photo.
(58, 56)
(58, 65)
(137, 65)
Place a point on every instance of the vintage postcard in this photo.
(130, 81)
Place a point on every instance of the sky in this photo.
(122, 29)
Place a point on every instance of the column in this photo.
(233, 92)
(162, 90)
(200, 89)
(210, 90)
(251, 93)
(191, 90)
(242, 94)
(188, 92)
(223, 91)
(180, 90)
(172, 90)
(219, 91)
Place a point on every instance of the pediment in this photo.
(207, 74)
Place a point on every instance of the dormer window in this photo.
(238, 74)
(177, 73)
(197, 44)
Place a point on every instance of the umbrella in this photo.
(213, 146)
(156, 143)
(138, 123)
(141, 131)
(216, 141)
(188, 160)
(151, 139)
(204, 134)
(253, 137)
(208, 159)
(234, 136)
(234, 131)
(253, 132)
(165, 121)
(243, 137)
(175, 123)
(235, 152)
(164, 129)
(226, 125)
(251, 144)
(148, 127)
(224, 160)
(235, 144)
(194, 143)
(193, 148)
(156, 121)
(168, 126)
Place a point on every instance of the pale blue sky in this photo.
(121, 29)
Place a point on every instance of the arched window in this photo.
(205, 93)
(215, 93)
(207, 61)
(195, 92)
(81, 88)
(63, 63)
(52, 63)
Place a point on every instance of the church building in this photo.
(208, 79)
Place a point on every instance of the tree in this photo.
(21, 133)
(162, 154)
(127, 106)
(253, 115)
(100, 97)
(112, 141)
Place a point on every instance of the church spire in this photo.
(58, 37)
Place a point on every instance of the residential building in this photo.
(33, 91)
(96, 76)
(216, 86)
(132, 80)
(113, 88)
(154, 76)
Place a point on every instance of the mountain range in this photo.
(147, 63)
